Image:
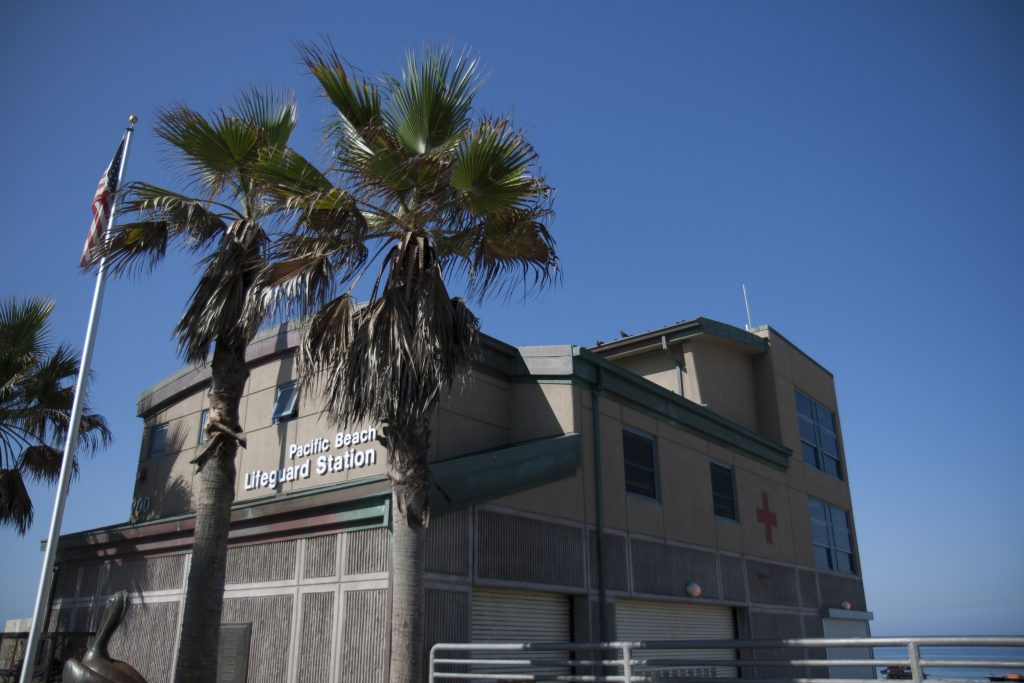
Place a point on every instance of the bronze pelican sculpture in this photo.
(96, 665)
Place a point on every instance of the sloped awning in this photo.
(479, 477)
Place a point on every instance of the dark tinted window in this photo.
(638, 456)
(723, 492)
(157, 441)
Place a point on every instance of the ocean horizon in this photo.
(979, 654)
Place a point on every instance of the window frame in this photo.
(732, 491)
(819, 458)
(833, 552)
(160, 428)
(288, 411)
(204, 417)
(653, 469)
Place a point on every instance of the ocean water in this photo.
(973, 654)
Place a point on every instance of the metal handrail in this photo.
(623, 660)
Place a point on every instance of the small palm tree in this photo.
(438, 195)
(229, 226)
(36, 397)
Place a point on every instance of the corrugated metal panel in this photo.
(364, 637)
(448, 544)
(515, 548)
(367, 551)
(614, 548)
(446, 620)
(67, 581)
(500, 615)
(666, 569)
(145, 639)
(315, 643)
(271, 619)
(848, 628)
(321, 557)
(262, 562)
(148, 574)
(648, 620)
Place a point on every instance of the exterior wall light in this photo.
(694, 590)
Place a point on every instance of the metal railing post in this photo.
(627, 665)
(914, 652)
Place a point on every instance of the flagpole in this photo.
(67, 465)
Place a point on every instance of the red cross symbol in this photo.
(767, 517)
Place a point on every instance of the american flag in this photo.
(101, 203)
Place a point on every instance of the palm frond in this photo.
(428, 108)
(357, 100)
(273, 115)
(222, 306)
(42, 463)
(15, 504)
(164, 215)
(491, 169)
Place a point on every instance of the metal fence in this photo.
(801, 660)
(54, 650)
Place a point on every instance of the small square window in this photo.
(723, 491)
(157, 441)
(204, 417)
(640, 464)
(286, 403)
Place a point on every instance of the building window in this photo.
(641, 465)
(286, 403)
(723, 491)
(830, 533)
(818, 435)
(157, 441)
(204, 417)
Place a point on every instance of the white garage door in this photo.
(650, 620)
(512, 616)
(848, 628)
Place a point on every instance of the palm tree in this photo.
(36, 396)
(439, 196)
(229, 226)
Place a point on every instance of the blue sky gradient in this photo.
(860, 166)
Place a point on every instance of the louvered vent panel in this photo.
(321, 557)
(364, 635)
(145, 639)
(517, 548)
(367, 551)
(148, 574)
(262, 562)
(315, 646)
(667, 570)
(448, 544)
(271, 619)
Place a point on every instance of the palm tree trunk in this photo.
(200, 628)
(410, 480)
(408, 542)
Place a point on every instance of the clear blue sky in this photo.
(860, 166)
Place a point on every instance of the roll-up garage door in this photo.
(512, 616)
(649, 620)
(848, 628)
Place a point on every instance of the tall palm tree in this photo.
(228, 223)
(36, 396)
(439, 195)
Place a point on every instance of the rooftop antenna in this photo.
(746, 302)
